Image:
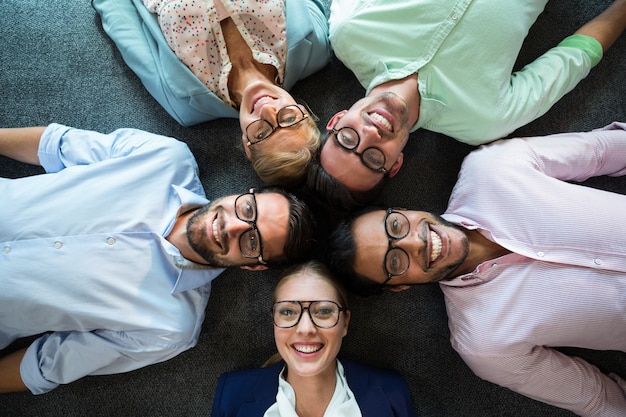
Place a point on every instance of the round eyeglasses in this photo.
(396, 259)
(261, 129)
(372, 157)
(250, 243)
(323, 313)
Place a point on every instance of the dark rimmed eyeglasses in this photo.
(323, 313)
(372, 157)
(396, 259)
(250, 243)
(262, 129)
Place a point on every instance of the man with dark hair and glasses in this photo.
(527, 261)
(445, 66)
(110, 254)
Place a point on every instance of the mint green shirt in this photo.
(463, 52)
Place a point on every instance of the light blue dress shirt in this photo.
(463, 52)
(83, 256)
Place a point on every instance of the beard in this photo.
(446, 273)
(198, 238)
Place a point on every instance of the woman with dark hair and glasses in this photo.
(203, 60)
(311, 316)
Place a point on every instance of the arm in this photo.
(607, 26)
(10, 379)
(21, 143)
(63, 357)
(547, 375)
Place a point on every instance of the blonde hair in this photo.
(318, 270)
(287, 168)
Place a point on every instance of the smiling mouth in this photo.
(216, 233)
(261, 100)
(435, 247)
(382, 120)
(307, 348)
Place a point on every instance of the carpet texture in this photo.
(57, 65)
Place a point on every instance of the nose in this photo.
(305, 325)
(235, 227)
(369, 135)
(268, 112)
(414, 244)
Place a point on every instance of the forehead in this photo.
(306, 286)
(371, 242)
(272, 222)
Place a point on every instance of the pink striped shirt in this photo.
(565, 282)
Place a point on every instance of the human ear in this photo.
(398, 288)
(254, 267)
(333, 120)
(396, 165)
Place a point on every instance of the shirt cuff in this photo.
(587, 44)
(30, 372)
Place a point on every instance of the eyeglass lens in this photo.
(324, 314)
(287, 116)
(396, 259)
(246, 210)
(349, 139)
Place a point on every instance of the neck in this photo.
(405, 88)
(244, 68)
(178, 238)
(313, 394)
(481, 249)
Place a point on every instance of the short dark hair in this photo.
(300, 232)
(327, 189)
(342, 254)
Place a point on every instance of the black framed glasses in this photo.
(372, 157)
(323, 313)
(396, 259)
(262, 129)
(250, 243)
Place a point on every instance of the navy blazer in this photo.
(379, 392)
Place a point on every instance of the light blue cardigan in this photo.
(137, 34)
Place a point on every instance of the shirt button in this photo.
(58, 245)
(597, 261)
(7, 249)
(110, 241)
(454, 16)
(540, 254)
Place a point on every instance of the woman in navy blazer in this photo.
(307, 365)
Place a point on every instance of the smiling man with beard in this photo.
(111, 253)
(527, 261)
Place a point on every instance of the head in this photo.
(279, 135)
(308, 299)
(254, 230)
(395, 248)
(329, 189)
(366, 142)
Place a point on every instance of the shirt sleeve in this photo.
(580, 156)
(61, 146)
(550, 376)
(535, 88)
(63, 357)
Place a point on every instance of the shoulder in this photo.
(387, 379)
(236, 382)
(253, 389)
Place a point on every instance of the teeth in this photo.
(435, 247)
(382, 120)
(262, 100)
(307, 348)
(216, 234)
